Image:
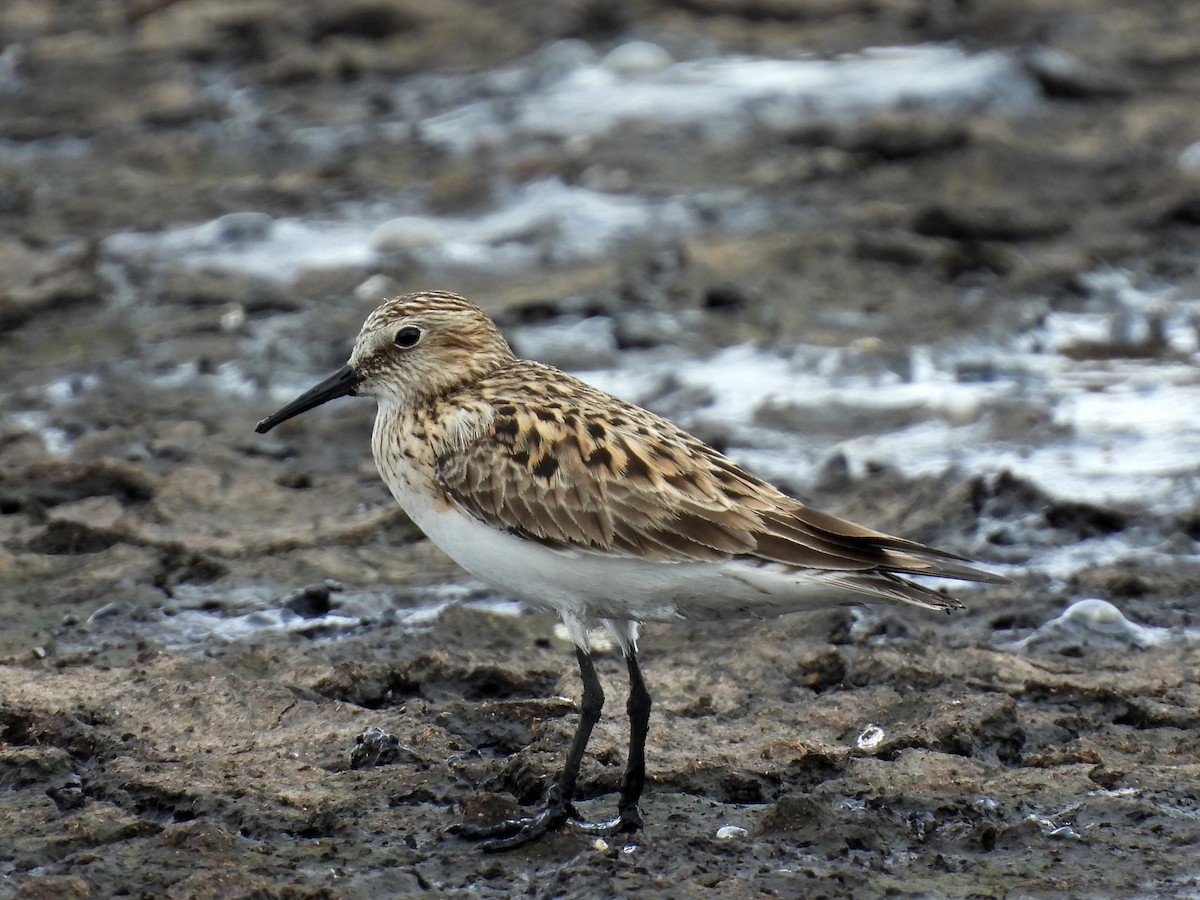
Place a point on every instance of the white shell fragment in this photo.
(869, 738)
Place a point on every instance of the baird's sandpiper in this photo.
(568, 498)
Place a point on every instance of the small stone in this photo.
(1189, 159)
(638, 58)
(376, 747)
(313, 601)
(1064, 76)
(376, 289)
(405, 233)
(869, 738)
(233, 317)
(1093, 625)
(241, 227)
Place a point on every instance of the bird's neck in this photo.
(411, 437)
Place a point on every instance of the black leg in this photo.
(629, 817)
(638, 707)
(589, 715)
(557, 807)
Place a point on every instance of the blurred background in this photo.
(930, 264)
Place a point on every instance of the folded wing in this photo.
(616, 479)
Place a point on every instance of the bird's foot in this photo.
(627, 821)
(509, 833)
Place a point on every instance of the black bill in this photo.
(340, 384)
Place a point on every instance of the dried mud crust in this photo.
(901, 752)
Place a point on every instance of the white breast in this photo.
(589, 585)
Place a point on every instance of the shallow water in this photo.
(542, 223)
(1120, 428)
(567, 93)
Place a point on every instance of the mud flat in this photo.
(932, 268)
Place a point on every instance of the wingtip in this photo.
(894, 587)
(979, 576)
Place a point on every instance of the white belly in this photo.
(589, 585)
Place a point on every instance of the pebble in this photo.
(241, 227)
(1093, 624)
(405, 233)
(376, 747)
(233, 317)
(588, 343)
(870, 738)
(1189, 159)
(376, 289)
(638, 58)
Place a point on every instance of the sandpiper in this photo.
(568, 498)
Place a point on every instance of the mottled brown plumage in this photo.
(567, 465)
(569, 498)
(539, 454)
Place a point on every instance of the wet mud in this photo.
(229, 667)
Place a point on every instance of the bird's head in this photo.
(411, 348)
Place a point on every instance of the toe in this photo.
(510, 833)
(627, 821)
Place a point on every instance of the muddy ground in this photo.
(134, 765)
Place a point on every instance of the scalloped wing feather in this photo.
(569, 466)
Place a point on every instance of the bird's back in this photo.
(573, 469)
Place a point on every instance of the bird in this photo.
(570, 499)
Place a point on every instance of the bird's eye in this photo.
(408, 336)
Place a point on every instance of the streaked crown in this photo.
(423, 345)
